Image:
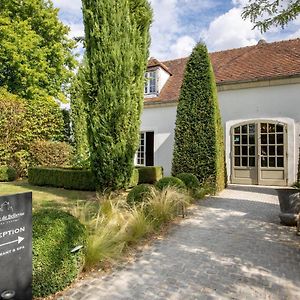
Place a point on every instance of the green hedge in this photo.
(55, 234)
(150, 174)
(138, 193)
(190, 180)
(75, 179)
(170, 181)
(134, 180)
(7, 173)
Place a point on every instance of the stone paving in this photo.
(230, 247)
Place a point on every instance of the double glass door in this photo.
(258, 153)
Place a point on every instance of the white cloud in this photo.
(183, 46)
(230, 31)
(68, 5)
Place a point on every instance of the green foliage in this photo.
(73, 179)
(78, 114)
(55, 234)
(139, 194)
(48, 153)
(150, 174)
(190, 181)
(22, 123)
(134, 180)
(267, 13)
(67, 125)
(170, 181)
(199, 145)
(117, 41)
(35, 51)
(7, 173)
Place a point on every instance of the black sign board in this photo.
(16, 246)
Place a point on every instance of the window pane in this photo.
(237, 162)
(280, 162)
(264, 150)
(244, 150)
(279, 138)
(252, 150)
(263, 127)
(279, 150)
(244, 139)
(251, 128)
(237, 129)
(237, 139)
(279, 128)
(244, 129)
(264, 162)
(252, 139)
(271, 161)
(264, 139)
(271, 150)
(251, 161)
(272, 139)
(271, 128)
(245, 161)
(237, 150)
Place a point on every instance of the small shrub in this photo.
(75, 179)
(170, 182)
(190, 180)
(134, 180)
(139, 193)
(55, 234)
(7, 173)
(48, 153)
(150, 174)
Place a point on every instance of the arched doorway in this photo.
(259, 153)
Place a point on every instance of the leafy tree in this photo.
(117, 41)
(35, 52)
(267, 13)
(199, 145)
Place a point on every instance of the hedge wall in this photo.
(150, 174)
(199, 147)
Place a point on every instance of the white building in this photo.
(259, 98)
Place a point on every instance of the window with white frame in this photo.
(150, 84)
(145, 154)
(141, 153)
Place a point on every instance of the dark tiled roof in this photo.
(254, 63)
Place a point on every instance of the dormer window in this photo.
(151, 83)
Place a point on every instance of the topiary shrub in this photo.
(55, 234)
(190, 180)
(170, 181)
(150, 174)
(139, 193)
(199, 142)
(74, 179)
(7, 173)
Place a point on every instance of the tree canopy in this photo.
(35, 52)
(267, 13)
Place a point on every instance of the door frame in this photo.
(258, 169)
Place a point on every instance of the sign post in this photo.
(16, 246)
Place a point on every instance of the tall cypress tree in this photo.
(117, 41)
(199, 146)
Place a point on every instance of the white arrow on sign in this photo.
(19, 240)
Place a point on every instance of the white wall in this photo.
(279, 103)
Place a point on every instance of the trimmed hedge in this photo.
(74, 179)
(7, 173)
(190, 180)
(138, 193)
(170, 181)
(150, 174)
(55, 234)
(134, 180)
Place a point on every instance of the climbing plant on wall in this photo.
(199, 145)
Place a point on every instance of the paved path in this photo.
(231, 247)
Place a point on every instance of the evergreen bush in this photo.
(150, 174)
(199, 145)
(55, 234)
(139, 193)
(7, 173)
(170, 181)
(117, 40)
(190, 180)
(134, 180)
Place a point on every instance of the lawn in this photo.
(47, 197)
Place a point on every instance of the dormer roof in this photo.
(153, 62)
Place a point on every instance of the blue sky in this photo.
(179, 24)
